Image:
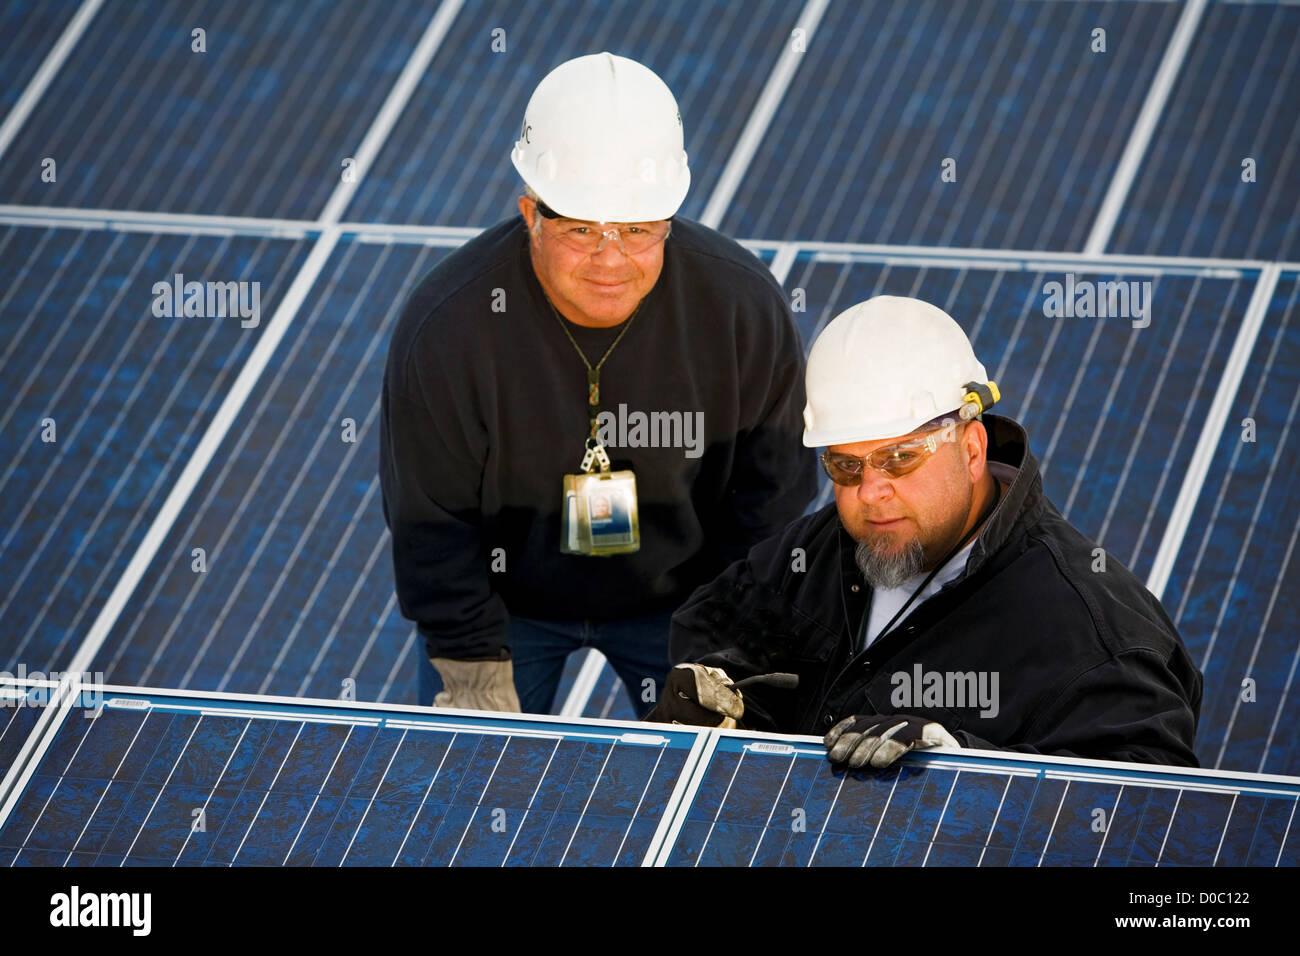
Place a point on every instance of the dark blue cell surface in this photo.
(197, 781)
(105, 392)
(254, 119)
(30, 28)
(1221, 176)
(298, 595)
(759, 805)
(1234, 591)
(993, 124)
(17, 720)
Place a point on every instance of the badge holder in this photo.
(599, 516)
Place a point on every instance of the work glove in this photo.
(695, 694)
(879, 740)
(476, 685)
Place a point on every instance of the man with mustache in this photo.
(588, 410)
(940, 573)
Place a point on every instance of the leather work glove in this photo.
(476, 685)
(699, 695)
(879, 740)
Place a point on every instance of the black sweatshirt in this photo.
(484, 410)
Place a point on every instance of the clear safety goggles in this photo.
(892, 461)
(590, 238)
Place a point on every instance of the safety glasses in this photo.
(590, 238)
(892, 461)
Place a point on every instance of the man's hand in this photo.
(476, 685)
(704, 696)
(879, 741)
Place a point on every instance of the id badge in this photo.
(600, 514)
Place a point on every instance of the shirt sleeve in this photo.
(433, 444)
(774, 476)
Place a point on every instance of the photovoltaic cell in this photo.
(298, 593)
(255, 124)
(1234, 591)
(30, 31)
(1234, 101)
(606, 698)
(104, 397)
(17, 720)
(161, 780)
(609, 699)
(766, 803)
(1011, 92)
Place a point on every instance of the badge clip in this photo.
(599, 513)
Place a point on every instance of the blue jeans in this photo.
(636, 647)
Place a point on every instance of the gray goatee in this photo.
(890, 569)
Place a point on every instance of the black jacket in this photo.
(484, 410)
(1088, 663)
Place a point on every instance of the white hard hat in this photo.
(885, 367)
(602, 141)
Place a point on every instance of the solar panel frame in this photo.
(47, 696)
(708, 752)
(686, 742)
(1052, 772)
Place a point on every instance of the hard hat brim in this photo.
(823, 437)
(597, 203)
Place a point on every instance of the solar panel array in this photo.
(762, 803)
(178, 780)
(193, 502)
(170, 778)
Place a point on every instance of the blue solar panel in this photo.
(278, 782)
(297, 597)
(773, 802)
(133, 777)
(17, 720)
(102, 404)
(1235, 100)
(1235, 590)
(23, 704)
(257, 123)
(590, 687)
(1011, 92)
(609, 698)
(30, 30)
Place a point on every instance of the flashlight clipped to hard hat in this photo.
(978, 399)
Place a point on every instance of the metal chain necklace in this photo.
(593, 371)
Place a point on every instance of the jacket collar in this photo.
(1020, 503)
(1018, 506)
